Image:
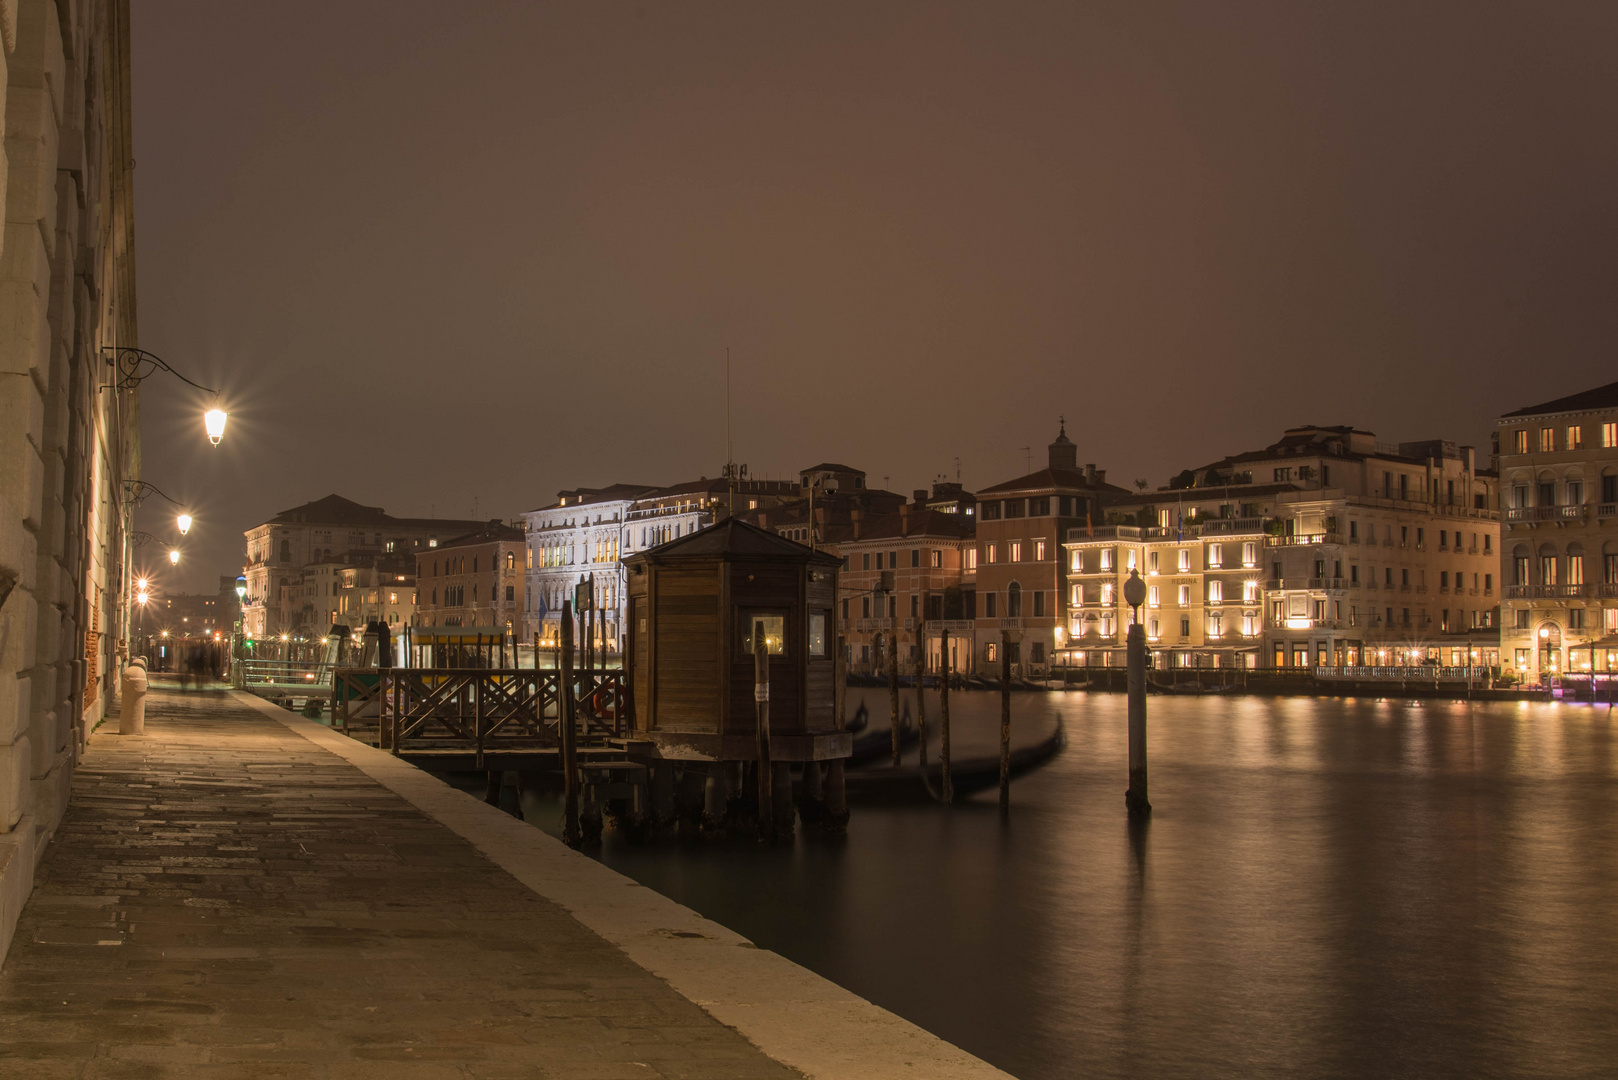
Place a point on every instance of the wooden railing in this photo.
(476, 709)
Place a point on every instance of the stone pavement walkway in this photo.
(227, 899)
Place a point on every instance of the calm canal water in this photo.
(1352, 888)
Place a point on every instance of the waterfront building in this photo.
(1558, 464)
(476, 580)
(1323, 549)
(327, 533)
(581, 534)
(907, 574)
(1022, 575)
(588, 532)
(70, 409)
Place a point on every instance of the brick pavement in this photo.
(227, 899)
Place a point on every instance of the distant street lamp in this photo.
(184, 521)
(174, 557)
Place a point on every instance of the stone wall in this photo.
(69, 440)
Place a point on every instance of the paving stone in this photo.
(225, 899)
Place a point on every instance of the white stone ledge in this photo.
(793, 1015)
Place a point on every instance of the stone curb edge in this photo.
(793, 1015)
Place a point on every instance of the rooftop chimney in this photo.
(854, 517)
(919, 495)
(904, 519)
(1090, 473)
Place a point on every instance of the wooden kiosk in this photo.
(693, 603)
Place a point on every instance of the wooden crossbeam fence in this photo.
(477, 709)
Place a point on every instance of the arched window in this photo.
(1014, 601)
(286, 551)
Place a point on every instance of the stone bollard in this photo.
(132, 700)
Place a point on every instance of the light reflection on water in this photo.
(1325, 888)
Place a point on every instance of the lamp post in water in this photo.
(1135, 796)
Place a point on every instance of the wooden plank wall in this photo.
(686, 670)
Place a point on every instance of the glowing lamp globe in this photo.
(214, 421)
(1134, 590)
(184, 521)
(174, 558)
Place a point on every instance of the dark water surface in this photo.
(1326, 888)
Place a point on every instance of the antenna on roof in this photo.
(957, 468)
(730, 464)
(1028, 460)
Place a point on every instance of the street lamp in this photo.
(214, 421)
(184, 522)
(174, 557)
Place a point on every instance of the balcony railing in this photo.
(1079, 534)
(1298, 539)
(1250, 526)
(1549, 592)
(1607, 510)
(1555, 513)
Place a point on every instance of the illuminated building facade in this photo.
(1324, 549)
(1558, 464)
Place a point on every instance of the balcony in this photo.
(1530, 514)
(1080, 534)
(1607, 510)
(1302, 540)
(1550, 592)
(1253, 526)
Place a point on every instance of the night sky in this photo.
(448, 258)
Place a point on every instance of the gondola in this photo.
(968, 776)
(878, 742)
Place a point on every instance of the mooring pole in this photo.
(761, 695)
(1135, 796)
(893, 686)
(921, 681)
(943, 708)
(1005, 723)
(565, 707)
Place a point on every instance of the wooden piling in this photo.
(943, 708)
(921, 680)
(893, 687)
(1005, 723)
(566, 706)
(761, 695)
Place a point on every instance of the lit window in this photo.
(990, 554)
(1039, 551)
(1575, 437)
(1016, 550)
(1216, 556)
(1184, 560)
(1185, 596)
(1216, 592)
(1106, 558)
(1151, 562)
(1250, 591)
(1609, 435)
(1153, 599)
(1547, 440)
